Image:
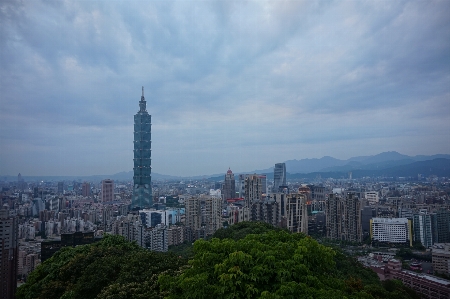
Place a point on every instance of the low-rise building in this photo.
(440, 257)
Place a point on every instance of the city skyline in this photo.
(229, 84)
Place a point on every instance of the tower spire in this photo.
(142, 103)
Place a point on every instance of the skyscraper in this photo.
(296, 213)
(107, 190)
(142, 178)
(229, 187)
(60, 188)
(440, 223)
(423, 228)
(351, 226)
(9, 254)
(86, 189)
(344, 217)
(279, 176)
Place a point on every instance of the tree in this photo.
(99, 269)
(274, 264)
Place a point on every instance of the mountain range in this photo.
(380, 161)
(383, 164)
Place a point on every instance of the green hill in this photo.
(247, 260)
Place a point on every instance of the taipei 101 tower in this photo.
(142, 178)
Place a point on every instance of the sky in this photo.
(229, 84)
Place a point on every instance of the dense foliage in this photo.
(111, 268)
(247, 260)
(274, 264)
(240, 230)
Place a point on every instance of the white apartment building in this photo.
(391, 230)
(372, 197)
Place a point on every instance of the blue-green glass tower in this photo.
(142, 178)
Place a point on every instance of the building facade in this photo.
(229, 186)
(279, 176)
(334, 215)
(9, 254)
(253, 190)
(142, 177)
(86, 189)
(440, 223)
(423, 228)
(107, 190)
(440, 257)
(391, 230)
(343, 217)
(296, 213)
(351, 227)
(211, 216)
(372, 197)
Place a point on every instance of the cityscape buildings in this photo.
(142, 178)
(48, 214)
(279, 176)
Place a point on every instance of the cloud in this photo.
(244, 83)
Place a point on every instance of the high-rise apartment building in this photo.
(296, 213)
(142, 178)
(212, 215)
(279, 176)
(107, 190)
(423, 228)
(333, 210)
(229, 186)
(253, 190)
(159, 240)
(86, 189)
(9, 254)
(193, 213)
(352, 229)
(203, 216)
(318, 197)
(343, 217)
(440, 222)
(60, 188)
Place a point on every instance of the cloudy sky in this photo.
(240, 84)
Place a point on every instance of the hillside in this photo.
(247, 260)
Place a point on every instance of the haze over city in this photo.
(228, 83)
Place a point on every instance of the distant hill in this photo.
(439, 167)
(386, 163)
(379, 161)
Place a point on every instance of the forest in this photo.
(246, 260)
